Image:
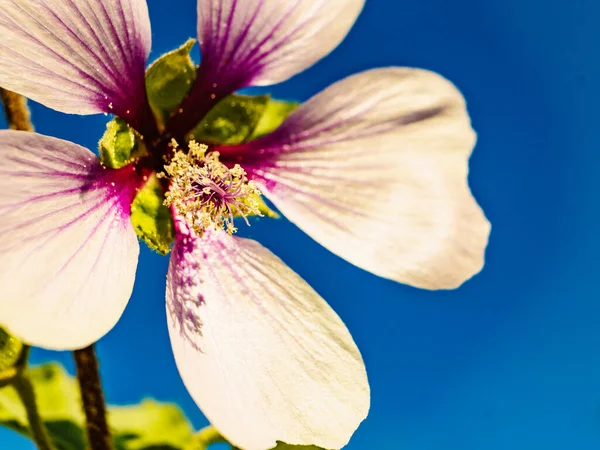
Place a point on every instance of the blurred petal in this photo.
(68, 251)
(76, 56)
(260, 351)
(375, 169)
(268, 41)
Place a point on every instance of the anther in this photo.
(206, 193)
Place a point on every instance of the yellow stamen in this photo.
(205, 192)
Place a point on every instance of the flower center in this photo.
(206, 193)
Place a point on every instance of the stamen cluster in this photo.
(206, 193)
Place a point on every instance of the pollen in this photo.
(207, 193)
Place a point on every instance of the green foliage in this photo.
(232, 120)
(168, 81)
(147, 426)
(58, 401)
(150, 425)
(151, 219)
(284, 446)
(240, 118)
(118, 144)
(273, 116)
(10, 350)
(204, 438)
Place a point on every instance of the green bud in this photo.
(168, 81)
(151, 219)
(232, 121)
(10, 350)
(118, 144)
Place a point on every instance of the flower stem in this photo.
(16, 110)
(36, 425)
(92, 398)
(20, 382)
(19, 118)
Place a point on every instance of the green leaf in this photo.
(240, 118)
(152, 220)
(204, 438)
(57, 396)
(284, 446)
(10, 350)
(168, 81)
(118, 144)
(147, 426)
(232, 120)
(150, 425)
(274, 114)
(209, 435)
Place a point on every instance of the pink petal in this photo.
(375, 169)
(76, 56)
(260, 42)
(68, 251)
(260, 351)
(268, 41)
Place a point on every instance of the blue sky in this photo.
(512, 359)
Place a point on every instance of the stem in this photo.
(92, 398)
(18, 117)
(16, 110)
(24, 389)
(36, 425)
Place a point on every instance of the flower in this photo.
(374, 168)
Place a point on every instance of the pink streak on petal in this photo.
(375, 168)
(260, 351)
(68, 251)
(259, 42)
(78, 56)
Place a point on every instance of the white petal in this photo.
(76, 56)
(261, 353)
(375, 169)
(259, 42)
(68, 251)
(268, 41)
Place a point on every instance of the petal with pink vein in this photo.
(268, 41)
(68, 251)
(375, 169)
(76, 56)
(261, 353)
